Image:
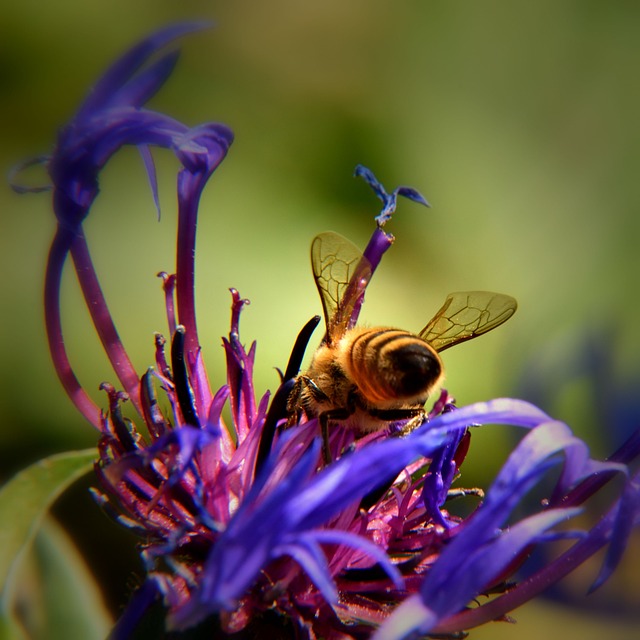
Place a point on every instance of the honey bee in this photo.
(368, 377)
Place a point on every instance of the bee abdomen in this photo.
(392, 365)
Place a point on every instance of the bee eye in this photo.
(413, 369)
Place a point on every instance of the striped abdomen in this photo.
(390, 366)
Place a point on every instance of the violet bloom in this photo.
(242, 526)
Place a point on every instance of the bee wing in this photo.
(466, 315)
(341, 273)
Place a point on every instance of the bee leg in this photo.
(414, 417)
(293, 408)
(458, 493)
(413, 423)
(323, 419)
(296, 404)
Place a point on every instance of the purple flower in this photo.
(242, 524)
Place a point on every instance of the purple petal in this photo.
(500, 411)
(202, 148)
(389, 200)
(314, 563)
(143, 598)
(627, 516)
(482, 565)
(475, 571)
(150, 166)
(147, 83)
(120, 72)
(335, 536)
(526, 465)
(353, 476)
(368, 176)
(410, 615)
(217, 404)
(441, 473)
(533, 585)
(269, 515)
(475, 555)
(412, 194)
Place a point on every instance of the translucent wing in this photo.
(341, 273)
(465, 315)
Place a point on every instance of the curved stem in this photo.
(378, 244)
(57, 257)
(185, 258)
(189, 190)
(103, 321)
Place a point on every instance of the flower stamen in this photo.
(184, 393)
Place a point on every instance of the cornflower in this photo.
(245, 526)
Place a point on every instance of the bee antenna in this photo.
(389, 200)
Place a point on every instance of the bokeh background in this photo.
(518, 121)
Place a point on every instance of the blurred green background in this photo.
(518, 121)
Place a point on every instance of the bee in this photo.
(368, 377)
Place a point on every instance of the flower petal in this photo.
(474, 572)
(627, 516)
(118, 84)
(308, 554)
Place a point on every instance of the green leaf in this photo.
(11, 630)
(55, 595)
(26, 498)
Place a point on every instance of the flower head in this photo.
(243, 522)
